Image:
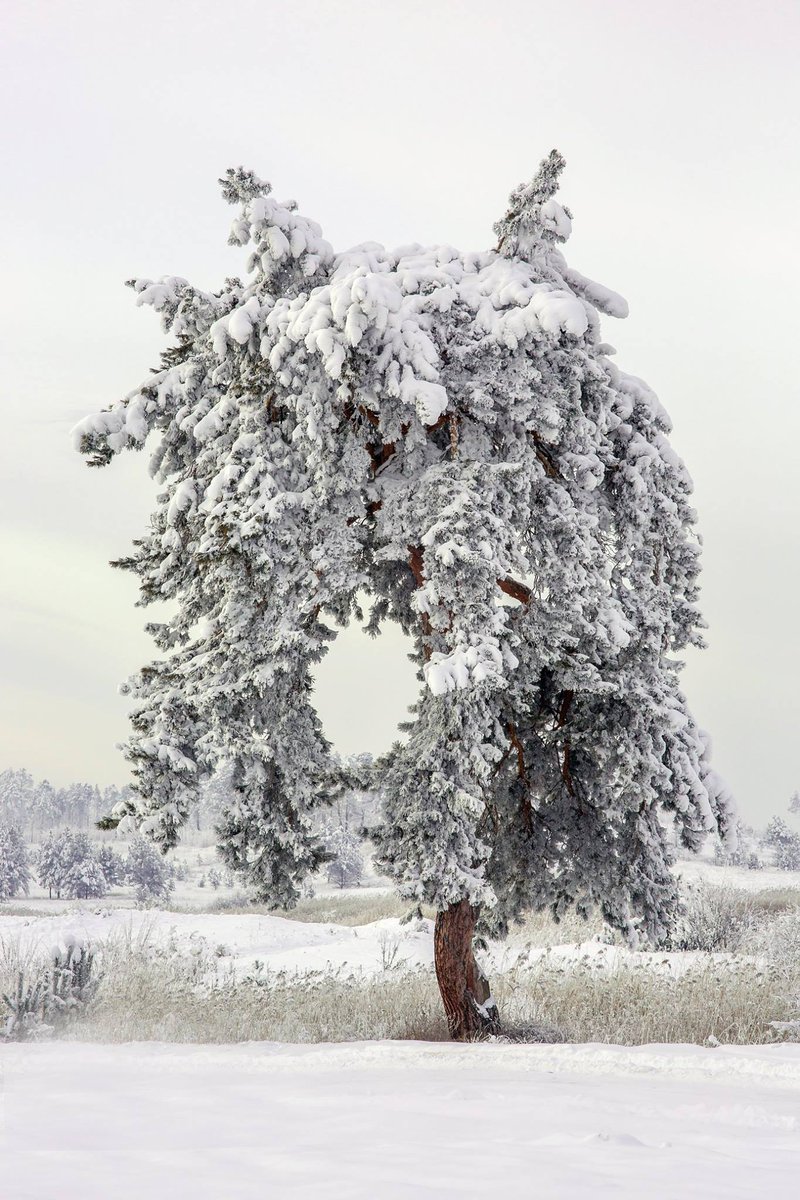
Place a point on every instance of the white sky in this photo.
(398, 122)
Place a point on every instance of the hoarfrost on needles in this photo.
(446, 432)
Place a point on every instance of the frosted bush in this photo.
(713, 918)
(149, 872)
(45, 1001)
(778, 941)
(784, 843)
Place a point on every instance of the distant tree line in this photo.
(36, 806)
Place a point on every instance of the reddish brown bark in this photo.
(545, 456)
(512, 587)
(417, 563)
(464, 988)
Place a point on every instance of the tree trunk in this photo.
(464, 988)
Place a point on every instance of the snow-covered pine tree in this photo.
(84, 878)
(51, 862)
(15, 876)
(45, 810)
(68, 864)
(148, 872)
(344, 828)
(447, 433)
(111, 865)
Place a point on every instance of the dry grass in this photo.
(179, 993)
(151, 994)
(733, 1002)
(771, 901)
(336, 908)
(541, 929)
(19, 910)
(14, 959)
(150, 999)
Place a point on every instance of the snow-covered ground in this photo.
(237, 940)
(398, 1121)
(381, 1120)
(243, 942)
(692, 870)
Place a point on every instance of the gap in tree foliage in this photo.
(363, 687)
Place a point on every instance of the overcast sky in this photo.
(397, 122)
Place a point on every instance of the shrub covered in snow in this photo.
(149, 872)
(714, 918)
(60, 993)
(746, 852)
(784, 843)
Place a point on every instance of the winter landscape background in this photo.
(197, 1043)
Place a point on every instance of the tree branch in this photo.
(513, 737)
(563, 710)
(542, 451)
(417, 564)
(519, 591)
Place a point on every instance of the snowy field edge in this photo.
(774, 1064)
(399, 1121)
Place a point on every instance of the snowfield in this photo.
(699, 868)
(381, 1120)
(238, 940)
(399, 1121)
